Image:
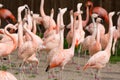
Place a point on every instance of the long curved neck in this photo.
(87, 17)
(61, 38)
(108, 48)
(71, 19)
(20, 34)
(13, 39)
(19, 16)
(32, 35)
(34, 27)
(80, 22)
(109, 45)
(98, 33)
(42, 8)
(94, 24)
(110, 23)
(74, 35)
(29, 19)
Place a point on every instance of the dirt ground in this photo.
(111, 72)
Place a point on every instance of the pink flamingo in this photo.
(6, 14)
(53, 40)
(5, 45)
(61, 41)
(61, 58)
(70, 33)
(116, 34)
(89, 39)
(84, 22)
(96, 45)
(98, 10)
(104, 38)
(51, 30)
(46, 20)
(101, 58)
(4, 75)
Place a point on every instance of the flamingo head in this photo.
(89, 3)
(79, 5)
(1, 5)
(98, 19)
(118, 13)
(111, 13)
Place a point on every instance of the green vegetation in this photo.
(116, 57)
(4, 68)
(32, 76)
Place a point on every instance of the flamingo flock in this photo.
(29, 45)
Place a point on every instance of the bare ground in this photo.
(111, 72)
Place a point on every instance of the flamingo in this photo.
(89, 39)
(53, 40)
(98, 10)
(4, 75)
(84, 22)
(5, 47)
(6, 14)
(116, 34)
(51, 30)
(61, 58)
(96, 46)
(79, 29)
(104, 38)
(61, 33)
(101, 58)
(70, 33)
(46, 20)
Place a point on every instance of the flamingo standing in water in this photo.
(4, 75)
(101, 58)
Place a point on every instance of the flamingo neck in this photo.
(42, 8)
(34, 27)
(32, 35)
(109, 45)
(108, 48)
(80, 22)
(98, 33)
(61, 38)
(13, 39)
(19, 16)
(95, 31)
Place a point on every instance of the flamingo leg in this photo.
(10, 65)
(22, 76)
(78, 65)
(61, 72)
(97, 75)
